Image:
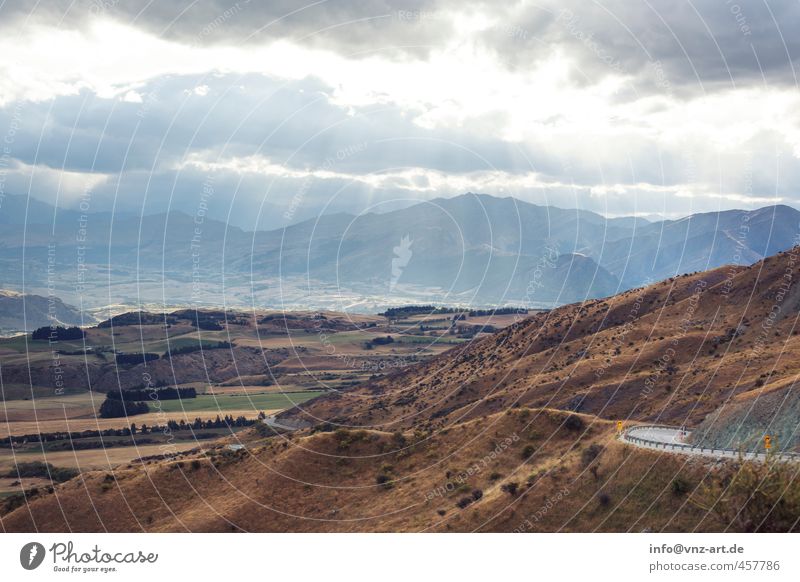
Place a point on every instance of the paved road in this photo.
(674, 440)
(273, 422)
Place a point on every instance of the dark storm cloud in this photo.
(673, 46)
(668, 46)
(353, 26)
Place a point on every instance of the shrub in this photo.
(604, 499)
(477, 494)
(680, 487)
(382, 479)
(464, 502)
(495, 476)
(399, 439)
(528, 451)
(590, 453)
(42, 471)
(752, 497)
(510, 488)
(574, 422)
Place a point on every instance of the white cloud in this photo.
(628, 145)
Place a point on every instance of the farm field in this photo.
(76, 412)
(239, 364)
(150, 419)
(252, 402)
(94, 458)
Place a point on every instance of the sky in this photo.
(273, 112)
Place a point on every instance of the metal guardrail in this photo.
(698, 450)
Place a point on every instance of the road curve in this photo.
(273, 422)
(674, 440)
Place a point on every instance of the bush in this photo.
(604, 499)
(464, 502)
(528, 451)
(511, 488)
(752, 497)
(42, 471)
(477, 494)
(399, 439)
(574, 422)
(382, 479)
(680, 487)
(590, 453)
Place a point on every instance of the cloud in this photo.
(663, 46)
(658, 106)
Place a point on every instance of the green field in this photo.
(423, 339)
(192, 341)
(253, 402)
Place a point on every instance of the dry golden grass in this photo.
(93, 459)
(328, 482)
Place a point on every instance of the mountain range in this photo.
(470, 249)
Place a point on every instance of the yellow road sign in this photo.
(619, 426)
(767, 442)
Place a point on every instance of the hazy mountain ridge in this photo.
(20, 312)
(472, 248)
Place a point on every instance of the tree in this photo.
(57, 333)
(120, 409)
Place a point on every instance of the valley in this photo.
(240, 366)
(511, 428)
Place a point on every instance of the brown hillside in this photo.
(511, 467)
(672, 352)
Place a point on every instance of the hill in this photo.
(674, 352)
(473, 477)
